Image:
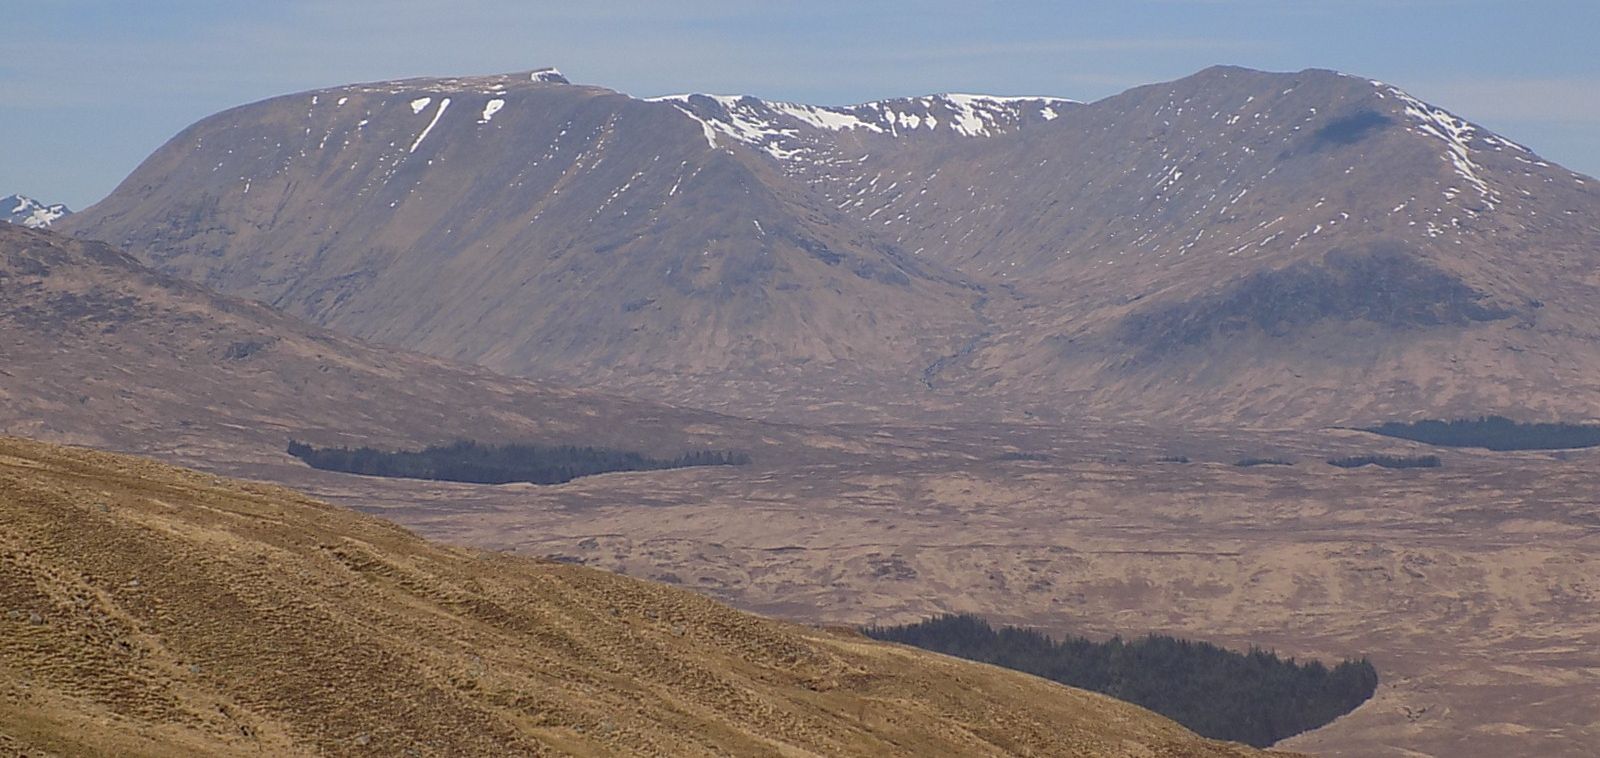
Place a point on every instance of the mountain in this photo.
(26, 211)
(99, 350)
(1264, 248)
(150, 610)
(1237, 246)
(535, 227)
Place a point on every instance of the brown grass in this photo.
(150, 610)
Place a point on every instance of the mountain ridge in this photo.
(26, 211)
(103, 351)
(770, 258)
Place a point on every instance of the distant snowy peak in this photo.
(1461, 138)
(491, 84)
(548, 76)
(1479, 157)
(25, 211)
(966, 115)
(782, 129)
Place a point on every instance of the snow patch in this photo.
(25, 211)
(445, 103)
(706, 127)
(490, 108)
(1456, 134)
(832, 119)
(784, 130)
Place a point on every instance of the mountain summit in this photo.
(1272, 248)
(26, 211)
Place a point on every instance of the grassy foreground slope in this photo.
(150, 610)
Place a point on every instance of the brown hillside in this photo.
(96, 349)
(575, 232)
(1272, 249)
(149, 610)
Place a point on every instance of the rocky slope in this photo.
(149, 610)
(1233, 247)
(26, 211)
(1268, 248)
(99, 350)
(535, 227)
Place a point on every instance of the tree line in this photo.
(1253, 461)
(1494, 433)
(1255, 697)
(1386, 461)
(479, 463)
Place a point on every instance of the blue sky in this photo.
(89, 88)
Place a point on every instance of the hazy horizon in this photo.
(94, 87)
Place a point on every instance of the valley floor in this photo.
(1472, 587)
(147, 610)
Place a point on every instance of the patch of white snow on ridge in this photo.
(778, 128)
(32, 213)
(832, 119)
(680, 102)
(745, 119)
(1015, 99)
(418, 104)
(43, 217)
(549, 75)
(1457, 135)
(986, 115)
(968, 121)
(445, 103)
(490, 108)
